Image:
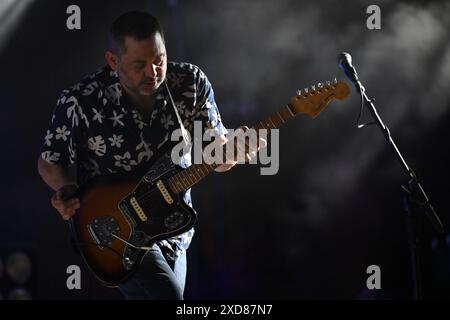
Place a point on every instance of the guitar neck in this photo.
(189, 177)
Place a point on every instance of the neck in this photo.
(188, 177)
(142, 102)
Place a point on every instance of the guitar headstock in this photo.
(314, 100)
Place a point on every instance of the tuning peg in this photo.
(328, 83)
(320, 85)
(335, 81)
(306, 90)
(298, 92)
(313, 88)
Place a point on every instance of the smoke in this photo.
(254, 44)
(407, 65)
(415, 52)
(265, 49)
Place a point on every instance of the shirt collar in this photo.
(113, 89)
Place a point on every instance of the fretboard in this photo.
(188, 177)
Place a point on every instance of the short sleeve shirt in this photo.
(96, 128)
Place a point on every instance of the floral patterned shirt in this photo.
(97, 129)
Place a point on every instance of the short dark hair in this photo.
(136, 24)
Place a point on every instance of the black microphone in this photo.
(345, 62)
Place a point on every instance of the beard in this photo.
(141, 89)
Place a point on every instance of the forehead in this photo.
(143, 49)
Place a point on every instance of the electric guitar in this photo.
(122, 215)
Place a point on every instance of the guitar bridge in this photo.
(94, 236)
(101, 229)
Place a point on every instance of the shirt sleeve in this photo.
(206, 109)
(63, 136)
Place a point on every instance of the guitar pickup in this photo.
(165, 193)
(137, 208)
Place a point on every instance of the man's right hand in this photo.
(64, 202)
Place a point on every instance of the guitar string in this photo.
(143, 203)
(144, 199)
(196, 179)
(146, 195)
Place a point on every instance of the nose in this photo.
(150, 71)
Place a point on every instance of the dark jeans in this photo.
(161, 276)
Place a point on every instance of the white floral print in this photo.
(97, 144)
(124, 161)
(62, 133)
(116, 141)
(48, 138)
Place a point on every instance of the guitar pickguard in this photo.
(169, 216)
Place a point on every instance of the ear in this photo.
(112, 59)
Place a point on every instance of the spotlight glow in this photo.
(11, 13)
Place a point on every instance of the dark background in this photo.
(335, 206)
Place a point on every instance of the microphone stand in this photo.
(414, 197)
